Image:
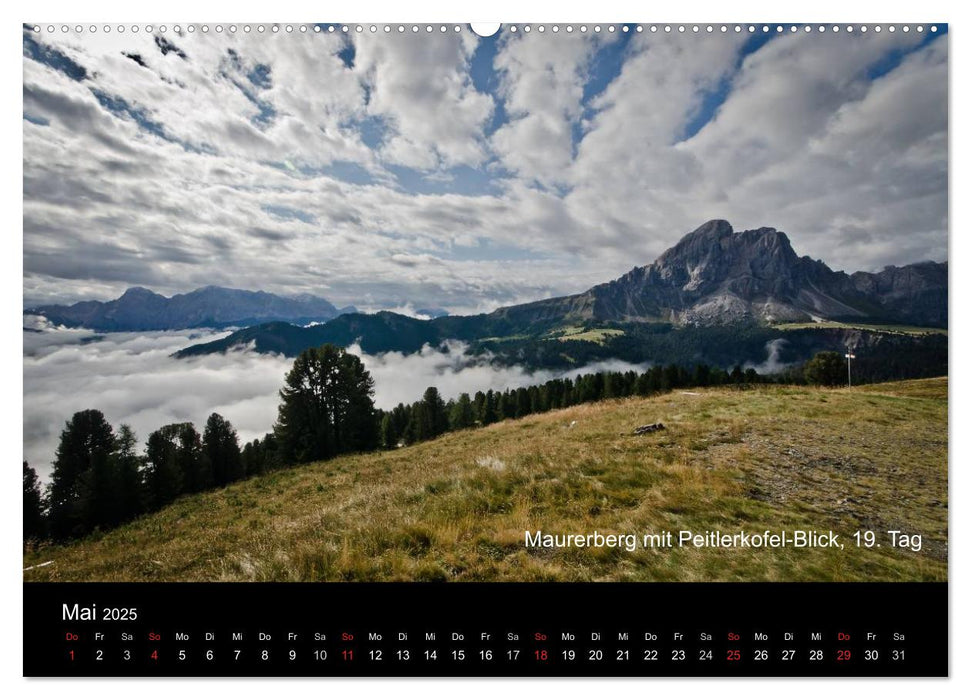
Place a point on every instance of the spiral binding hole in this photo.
(513, 29)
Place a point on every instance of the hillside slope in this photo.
(456, 508)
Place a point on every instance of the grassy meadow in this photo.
(873, 327)
(456, 508)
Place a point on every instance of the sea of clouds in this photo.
(133, 378)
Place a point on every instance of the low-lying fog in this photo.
(132, 378)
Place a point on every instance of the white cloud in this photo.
(401, 378)
(542, 83)
(630, 181)
(420, 85)
(133, 379)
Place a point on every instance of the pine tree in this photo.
(506, 404)
(86, 445)
(434, 419)
(353, 414)
(35, 525)
(702, 375)
(327, 407)
(825, 368)
(253, 458)
(100, 505)
(610, 388)
(478, 407)
(270, 452)
(523, 405)
(389, 436)
(414, 428)
(461, 416)
(164, 479)
(397, 427)
(220, 445)
(672, 377)
(131, 489)
(196, 473)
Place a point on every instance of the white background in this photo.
(675, 11)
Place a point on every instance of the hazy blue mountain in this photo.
(140, 309)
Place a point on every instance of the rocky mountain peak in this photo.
(133, 293)
(715, 255)
(716, 275)
(716, 240)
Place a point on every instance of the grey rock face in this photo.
(716, 275)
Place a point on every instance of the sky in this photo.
(416, 169)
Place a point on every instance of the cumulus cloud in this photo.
(132, 378)
(381, 170)
(542, 81)
(412, 81)
(805, 140)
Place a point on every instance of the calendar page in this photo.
(382, 349)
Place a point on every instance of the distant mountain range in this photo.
(714, 278)
(140, 309)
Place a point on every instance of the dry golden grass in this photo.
(456, 508)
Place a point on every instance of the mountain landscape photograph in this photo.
(362, 303)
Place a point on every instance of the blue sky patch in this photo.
(490, 250)
(120, 107)
(40, 121)
(714, 98)
(260, 76)
(461, 179)
(485, 79)
(372, 129)
(347, 54)
(345, 170)
(605, 66)
(288, 213)
(57, 60)
(894, 58)
(167, 47)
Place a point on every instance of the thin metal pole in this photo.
(849, 378)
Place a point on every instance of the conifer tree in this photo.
(826, 369)
(35, 525)
(86, 446)
(434, 419)
(164, 478)
(461, 416)
(131, 489)
(327, 407)
(220, 445)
